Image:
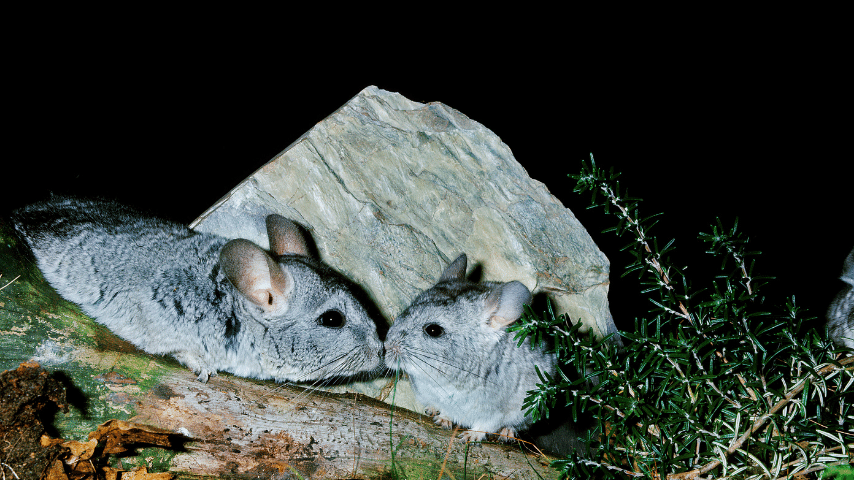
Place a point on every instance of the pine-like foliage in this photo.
(710, 384)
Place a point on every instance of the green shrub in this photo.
(709, 384)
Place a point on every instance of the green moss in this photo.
(35, 322)
(154, 459)
(431, 469)
(102, 373)
(839, 473)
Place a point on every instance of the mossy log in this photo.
(236, 428)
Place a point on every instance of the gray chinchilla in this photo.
(212, 303)
(464, 366)
(840, 315)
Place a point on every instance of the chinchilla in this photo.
(464, 366)
(212, 303)
(840, 315)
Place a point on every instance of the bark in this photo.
(257, 428)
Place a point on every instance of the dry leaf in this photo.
(140, 473)
(80, 450)
(46, 441)
(56, 471)
(118, 433)
(111, 473)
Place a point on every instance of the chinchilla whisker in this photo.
(429, 355)
(445, 362)
(307, 390)
(338, 364)
(419, 360)
(436, 382)
(419, 367)
(337, 367)
(317, 387)
(468, 373)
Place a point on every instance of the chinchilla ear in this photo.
(456, 270)
(506, 303)
(285, 236)
(255, 275)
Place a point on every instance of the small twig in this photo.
(678, 370)
(820, 452)
(757, 425)
(665, 279)
(815, 469)
(760, 422)
(733, 402)
(448, 453)
(4, 286)
(10, 469)
(611, 467)
(652, 261)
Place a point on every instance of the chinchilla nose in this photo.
(391, 349)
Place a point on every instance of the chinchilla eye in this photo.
(433, 330)
(331, 319)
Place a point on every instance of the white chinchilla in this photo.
(213, 304)
(840, 315)
(464, 366)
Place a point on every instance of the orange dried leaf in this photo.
(80, 450)
(46, 441)
(56, 472)
(117, 433)
(111, 473)
(140, 473)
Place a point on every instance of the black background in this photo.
(721, 121)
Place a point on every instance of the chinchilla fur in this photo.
(212, 303)
(464, 366)
(840, 315)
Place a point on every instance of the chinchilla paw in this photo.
(443, 422)
(507, 435)
(472, 436)
(205, 374)
(440, 420)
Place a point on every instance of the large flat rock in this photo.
(392, 190)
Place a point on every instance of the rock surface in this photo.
(392, 190)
